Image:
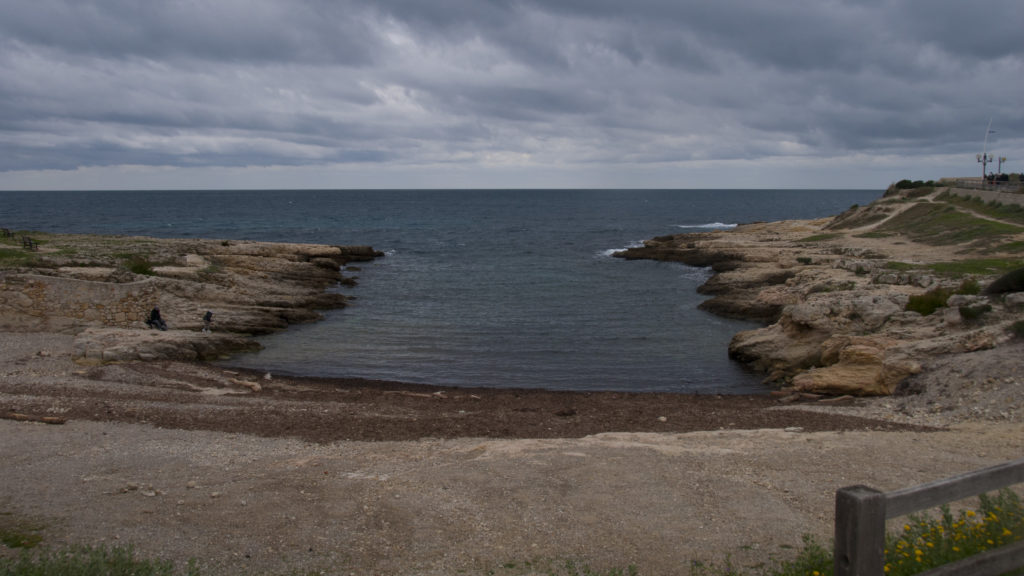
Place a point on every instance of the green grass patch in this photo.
(942, 225)
(1012, 247)
(820, 237)
(875, 234)
(982, 266)
(89, 561)
(1008, 212)
(14, 257)
(19, 533)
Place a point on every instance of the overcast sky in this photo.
(115, 94)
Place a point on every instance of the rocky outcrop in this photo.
(105, 345)
(102, 288)
(833, 295)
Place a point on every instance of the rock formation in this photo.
(101, 288)
(835, 293)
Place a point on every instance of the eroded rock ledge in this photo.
(833, 292)
(101, 288)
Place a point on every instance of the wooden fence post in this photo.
(860, 532)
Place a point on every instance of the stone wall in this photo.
(37, 302)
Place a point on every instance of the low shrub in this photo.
(1017, 328)
(139, 265)
(1010, 282)
(969, 286)
(927, 303)
(924, 542)
(971, 313)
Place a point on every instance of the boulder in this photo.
(863, 368)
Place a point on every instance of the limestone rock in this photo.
(834, 298)
(252, 288)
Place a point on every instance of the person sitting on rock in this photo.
(155, 321)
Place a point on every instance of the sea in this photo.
(477, 288)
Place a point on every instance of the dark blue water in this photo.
(479, 287)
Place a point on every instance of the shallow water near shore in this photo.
(508, 288)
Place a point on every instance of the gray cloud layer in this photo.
(568, 84)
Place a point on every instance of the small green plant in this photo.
(804, 260)
(927, 543)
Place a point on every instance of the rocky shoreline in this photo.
(101, 288)
(833, 293)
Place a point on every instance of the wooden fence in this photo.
(861, 513)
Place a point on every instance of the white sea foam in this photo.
(713, 225)
(611, 251)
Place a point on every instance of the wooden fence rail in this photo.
(861, 513)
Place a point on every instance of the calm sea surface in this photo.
(510, 288)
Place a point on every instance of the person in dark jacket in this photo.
(155, 320)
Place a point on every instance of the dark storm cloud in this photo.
(234, 30)
(559, 82)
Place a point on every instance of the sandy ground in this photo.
(241, 502)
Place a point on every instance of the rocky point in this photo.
(836, 294)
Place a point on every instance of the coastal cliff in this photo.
(101, 288)
(857, 303)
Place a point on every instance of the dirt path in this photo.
(180, 461)
(244, 504)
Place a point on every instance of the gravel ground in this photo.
(142, 460)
